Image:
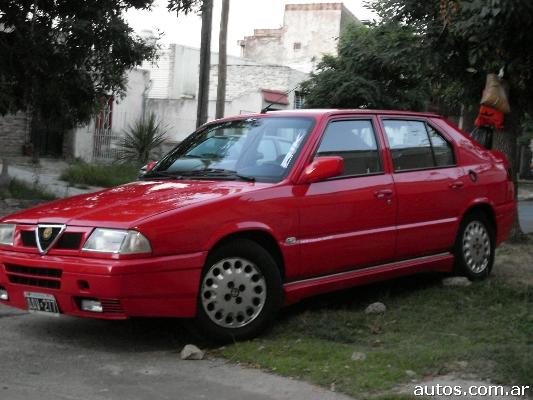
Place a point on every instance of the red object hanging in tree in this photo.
(489, 116)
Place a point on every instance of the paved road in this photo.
(525, 211)
(46, 358)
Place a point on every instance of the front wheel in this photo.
(240, 292)
(474, 247)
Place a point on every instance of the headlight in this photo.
(117, 242)
(7, 233)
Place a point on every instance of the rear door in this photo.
(429, 186)
(348, 222)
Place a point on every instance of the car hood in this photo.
(125, 206)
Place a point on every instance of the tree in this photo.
(222, 60)
(206, 8)
(470, 39)
(377, 67)
(60, 58)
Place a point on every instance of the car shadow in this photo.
(357, 298)
(133, 335)
(170, 335)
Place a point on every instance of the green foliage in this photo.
(469, 39)
(185, 6)
(100, 174)
(377, 67)
(60, 58)
(429, 329)
(527, 131)
(141, 140)
(22, 191)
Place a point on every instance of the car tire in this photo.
(474, 247)
(240, 292)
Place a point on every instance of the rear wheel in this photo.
(240, 292)
(474, 247)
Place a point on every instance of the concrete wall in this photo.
(130, 108)
(309, 32)
(14, 131)
(177, 116)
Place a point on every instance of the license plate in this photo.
(41, 303)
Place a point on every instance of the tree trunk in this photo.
(222, 60)
(506, 142)
(35, 133)
(525, 161)
(205, 63)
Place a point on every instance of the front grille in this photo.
(28, 238)
(34, 276)
(68, 241)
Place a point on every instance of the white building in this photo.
(99, 140)
(274, 63)
(309, 32)
(251, 86)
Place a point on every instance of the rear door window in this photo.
(415, 145)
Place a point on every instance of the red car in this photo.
(254, 212)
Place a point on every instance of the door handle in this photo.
(457, 185)
(383, 194)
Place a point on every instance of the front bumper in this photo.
(150, 287)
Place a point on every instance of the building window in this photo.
(297, 45)
(299, 100)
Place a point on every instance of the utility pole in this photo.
(222, 60)
(205, 63)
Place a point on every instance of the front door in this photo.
(348, 222)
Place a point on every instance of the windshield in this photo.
(261, 149)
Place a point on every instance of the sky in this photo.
(245, 16)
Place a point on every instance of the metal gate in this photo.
(106, 144)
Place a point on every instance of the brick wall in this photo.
(13, 134)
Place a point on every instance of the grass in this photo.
(100, 174)
(22, 191)
(486, 329)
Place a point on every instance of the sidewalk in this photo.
(46, 177)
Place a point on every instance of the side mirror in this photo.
(322, 168)
(147, 168)
(150, 166)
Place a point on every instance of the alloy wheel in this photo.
(476, 247)
(233, 292)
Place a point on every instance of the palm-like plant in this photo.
(141, 139)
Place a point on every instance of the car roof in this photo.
(331, 112)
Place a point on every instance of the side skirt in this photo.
(298, 290)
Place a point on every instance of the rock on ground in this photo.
(376, 308)
(191, 352)
(357, 356)
(456, 281)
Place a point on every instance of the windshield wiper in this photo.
(162, 174)
(218, 173)
(209, 173)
